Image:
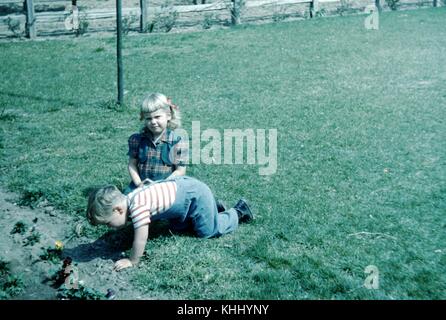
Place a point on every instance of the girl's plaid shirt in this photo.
(158, 160)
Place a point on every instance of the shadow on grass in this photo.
(39, 99)
(108, 246)
(104, 103)
(111, 244)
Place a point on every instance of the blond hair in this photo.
(101, 202)
(156, 101)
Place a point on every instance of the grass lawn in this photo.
(361, 176)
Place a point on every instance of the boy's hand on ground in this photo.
(122, 264)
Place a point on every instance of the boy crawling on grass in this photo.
(186, 202)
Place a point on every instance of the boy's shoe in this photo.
(221, 206)
(243, 211)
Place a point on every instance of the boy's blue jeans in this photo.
(195, 208)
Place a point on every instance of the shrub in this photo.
(83, 24)
(14, 27)
(127, 22)
(344, 7)
(393, 4)
(279, 13)
(207, 22)
(165, 19)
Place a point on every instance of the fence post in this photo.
(378, 5)
(143, 18)
(235, 16)
(30, 26)
(314, 7)
(436, 3)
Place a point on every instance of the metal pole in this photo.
(119, 52)
(378, 5)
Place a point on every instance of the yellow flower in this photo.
(59, 245)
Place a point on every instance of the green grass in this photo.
(361, 148)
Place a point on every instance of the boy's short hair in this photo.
(101, 202)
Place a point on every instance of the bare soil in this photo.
(93, 259)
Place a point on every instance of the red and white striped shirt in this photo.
(151, 200)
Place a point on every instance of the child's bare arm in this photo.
(139, 244)
(133, 171)
(179, 171)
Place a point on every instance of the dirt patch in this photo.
(41, 227)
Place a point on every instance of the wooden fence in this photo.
(146, 18)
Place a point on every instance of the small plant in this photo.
(81, 293)
(83, 24)
(207, 22)
(20, 228)
(32, 239)
(165, 19)
(53, 255)
(4, 268)
(69, 287)
(321, 13)
(61, 276)
(14, 27)
(127, 22)
(279, 13)
(393, 4)
(67, 275)
(344, 7)
(31, 198)
(112, 104)
(11, 286)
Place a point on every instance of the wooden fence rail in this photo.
(144, 12)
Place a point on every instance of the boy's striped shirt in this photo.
(151, 200)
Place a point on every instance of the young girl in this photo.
(156, 152)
